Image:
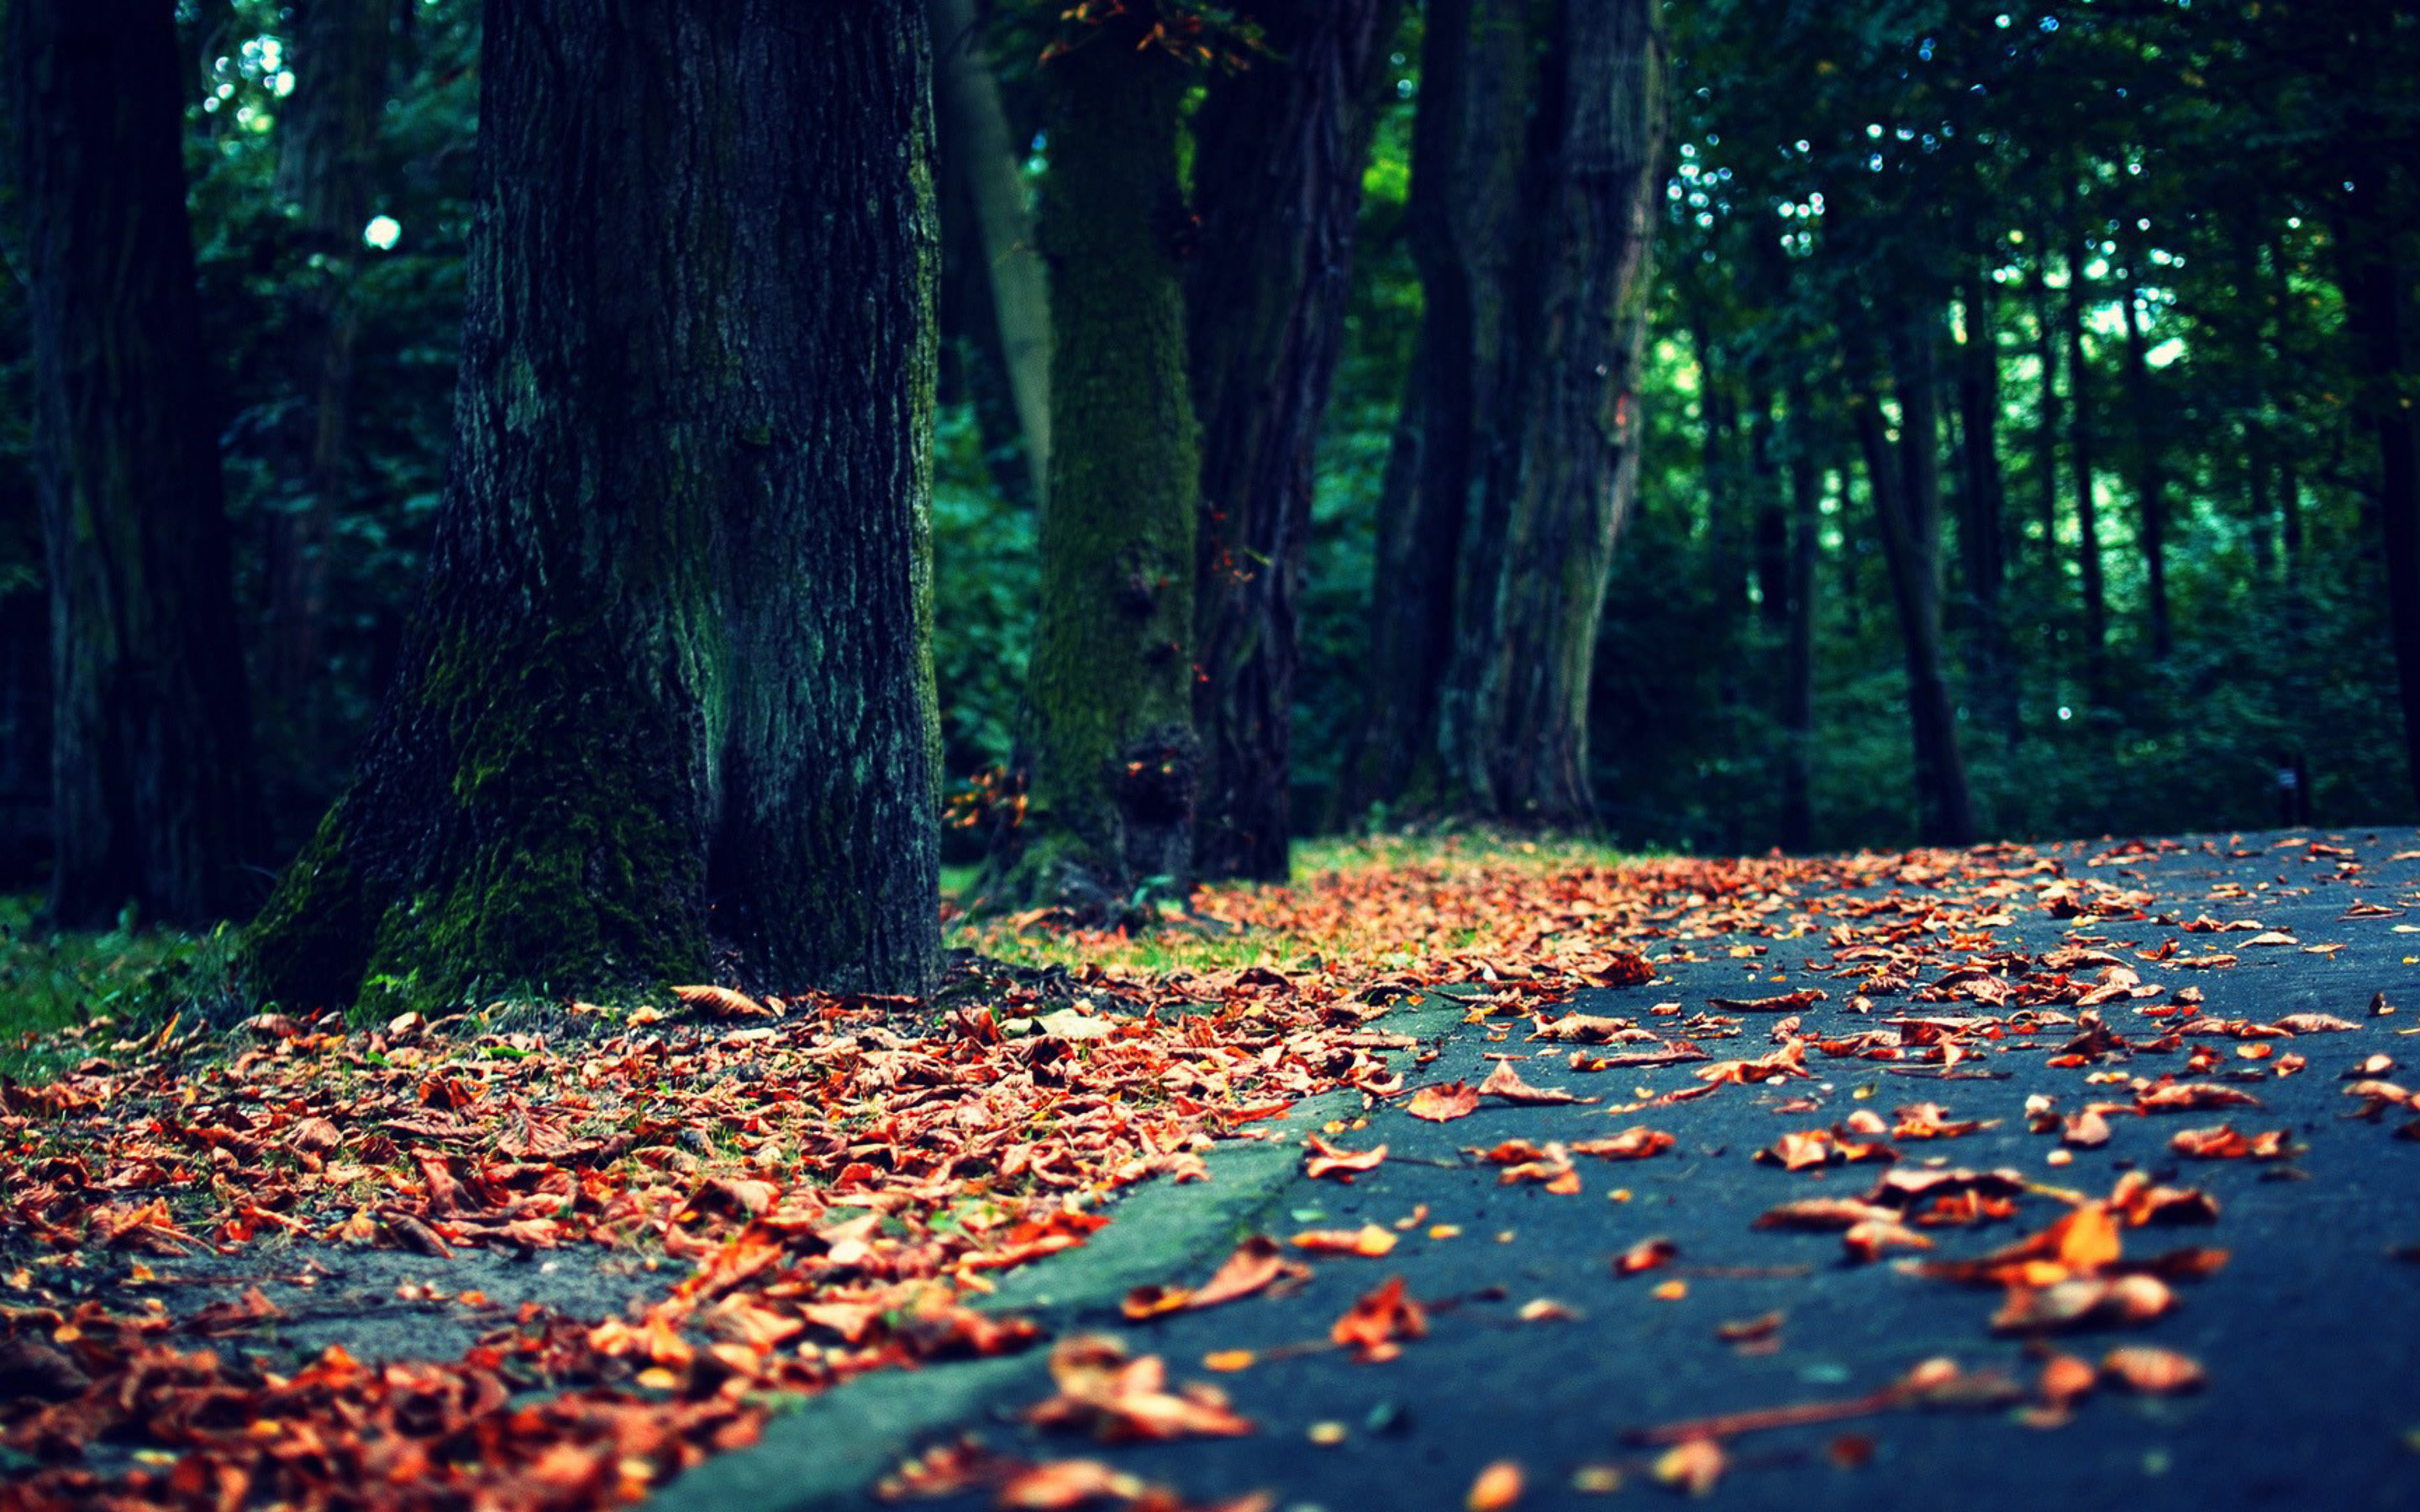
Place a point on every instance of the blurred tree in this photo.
(153, 785)
(670, 693)
(1107, 746)
(1279, 147)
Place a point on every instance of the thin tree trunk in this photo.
(1982, 497)
(1770, 555)
(1571, 400)
(1798, 696)
(979, 152)
(2080, 446)
(2375, 285)
(1463, 241)
(1411, 608)
(670, 696)
(2289, 483)
(151, 748)
(2150, 467)
(1907, 506)
(1277, 175)
(2046, 415)
(1109, 741)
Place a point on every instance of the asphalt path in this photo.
(2310, 1334)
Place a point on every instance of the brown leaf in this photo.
(1444, 1102)
(2147, 1368)
(1375, 1325)
(1369, 1240)
(1645, 1256)
(1637, 1142)
(1506, 1083)
(722, 1002)
(1328, 1159)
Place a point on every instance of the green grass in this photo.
(64, 979)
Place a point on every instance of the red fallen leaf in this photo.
(1820, 1214)
(1865, 1242)
(1369, 1240)
(2148, 1368)
(1064, 1483)
(1497, 1487)
(1444, 1102)
(2141, 1203)
(1328, 1159)
(1622, 968)
(1799, 1149)
(1929, 1120)
(1693, 1465)
(722, 1002)
(1750, 1329)
(2086, 1129)
(2224, 1142)
(2173, 1097)
(2082, 1301)
(2064, 1378)
(947, 1469)
(1506, 1083)
(1783, 1003)
(1255, 1265)
(1104, 1392)
(1374, 1326)
(2082, 1244)
(1645, 1256)
(1637, 1142)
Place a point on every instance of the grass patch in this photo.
(136, 979)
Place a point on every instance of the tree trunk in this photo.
(1464, 198)
(2150, 467)
(1108, 746)
(1277, 175)
(1798, 692)
(2374, 284)
(2047, 417)
(670, 696)
(1517, 727)
(1770, 554)
(1982, 543)
(2289, 483)
(151, 747)
(1907, 505)
(325, 138)
(2080, 437)
(982, 154)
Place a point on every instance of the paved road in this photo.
(2310, 1334)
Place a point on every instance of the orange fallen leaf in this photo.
(1506, 1083)
(722, 1002)
(1444, 1102)
(1693, 1465)
(2225, 1142)
(1637, 1142)
(1375, 1325)
(1497, 1487)
(1369, 1240)
(2148, 1368)
(1328, 1159)
(1645, 1256)
(1256, 1264)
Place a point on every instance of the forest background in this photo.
(2107, 298)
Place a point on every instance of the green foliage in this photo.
(136, 979)
(984, 587)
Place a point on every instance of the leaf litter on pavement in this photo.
(810, 1188)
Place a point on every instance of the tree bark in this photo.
(1515, 729)
(2047, 414)
(1982, 544)
(2374, 284)
(670, 694)
(2080, 444)
(151, 748)
(2150, 466)
(982, 154)
(1276, 174)
(1907, 506)
(1798, 691)
(1108, 748)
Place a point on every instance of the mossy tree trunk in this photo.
(670, 692)
(1107, 747)
(1535, 561)
(151, 749)
(1277, 189)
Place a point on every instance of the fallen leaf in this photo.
(1693, 1465)
(1369, 1240)
(1375, 1325)
(1497, 1487)
(2148, 1368)
(1506, 1083)
(1328, 1159)
(1645, 1256)
(1444, 1102)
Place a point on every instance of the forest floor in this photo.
(1460, 1174)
